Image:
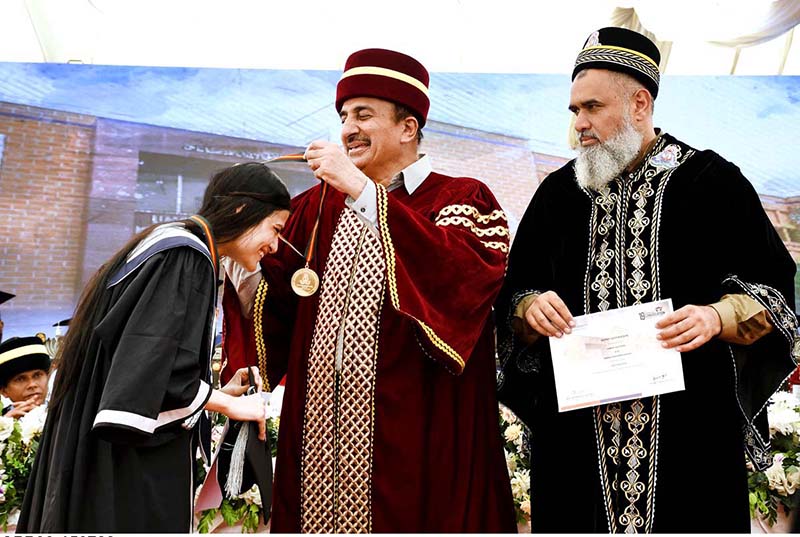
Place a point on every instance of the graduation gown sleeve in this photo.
(155, 376)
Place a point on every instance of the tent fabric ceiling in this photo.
(504, 36)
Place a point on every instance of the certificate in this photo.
(614, 356)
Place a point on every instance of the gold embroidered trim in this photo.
(628, 462)
(501, 231)
(469, 210)
(503, 247)
(338, 419)
(258, 325)
(383, 225)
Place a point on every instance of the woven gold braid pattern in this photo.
(501, 231)
(474, 213)
(383, 226)
(356, 411)
(619, 57)
(338, 421)
(258, 326)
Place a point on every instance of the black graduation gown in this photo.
(114, 456)
(699, 232)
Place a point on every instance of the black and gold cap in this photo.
(622, 50)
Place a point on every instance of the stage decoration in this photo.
(19, 440)
(773, 492)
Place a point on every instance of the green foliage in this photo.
(242, 510)
(17, 453)
(516, 449)
(775, 489)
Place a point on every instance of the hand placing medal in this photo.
(305, 281)
(332, 166)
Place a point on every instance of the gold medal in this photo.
(305, 282)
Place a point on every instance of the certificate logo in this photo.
(658, 311)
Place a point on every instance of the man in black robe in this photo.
(640, 216)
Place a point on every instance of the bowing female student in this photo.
(117, 452)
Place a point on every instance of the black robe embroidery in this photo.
(686, 225)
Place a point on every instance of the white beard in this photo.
(599, 164)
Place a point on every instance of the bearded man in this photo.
(640, 216)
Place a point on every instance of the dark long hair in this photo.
(236, 199)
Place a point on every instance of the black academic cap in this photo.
(5, 297)
(20, 354)
(257, 462)
(65, 322)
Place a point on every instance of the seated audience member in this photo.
(24, 366)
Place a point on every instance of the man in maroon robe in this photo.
(390, 419)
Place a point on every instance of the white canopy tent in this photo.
(700, 37)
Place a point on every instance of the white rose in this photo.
(782, 413)
(513, 432)
(508, 416)
(783, 399)
(6, 428)
(784, 421)
(792, 480)
(521, 483)
(13, 518)
(252, 496)
(525, 506)
(32, 423)
(275, 402)
(778, 480)
(511, 462)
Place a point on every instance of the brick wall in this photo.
(504, 163)
(43, 185)
(785, 216)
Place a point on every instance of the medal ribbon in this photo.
(210, 242)
(312, 243)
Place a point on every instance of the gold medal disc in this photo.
(305, 282)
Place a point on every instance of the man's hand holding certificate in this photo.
(615, 356)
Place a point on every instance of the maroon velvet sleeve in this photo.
(445, 264)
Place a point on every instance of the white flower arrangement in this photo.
(517, 455)
(775, 489)
(19, 440)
